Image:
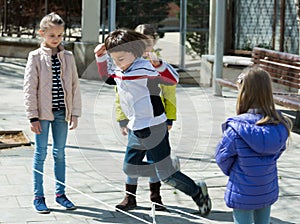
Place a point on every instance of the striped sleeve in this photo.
(168, 74)
(105, 69)
(102, 66)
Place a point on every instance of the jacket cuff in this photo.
(101, 58)
(162, 67)
(169, 122)
(123, 123)
(33, 119)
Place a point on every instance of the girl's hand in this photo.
(124, 131)
(100, 49)
(36, 127)
(153, 59)
(73, 123)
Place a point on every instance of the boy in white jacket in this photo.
(138, 87)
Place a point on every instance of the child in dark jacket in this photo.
(138, 87)
(251, 144)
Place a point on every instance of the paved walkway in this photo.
(95, 180)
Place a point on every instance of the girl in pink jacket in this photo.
(52, 98)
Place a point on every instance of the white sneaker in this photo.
(202, 199)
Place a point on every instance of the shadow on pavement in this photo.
(108, 216)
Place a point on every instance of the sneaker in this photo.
(202, 199)
(65, 202)
(40, 205)
(175, 162)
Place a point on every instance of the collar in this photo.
(48, 50)
(254, 111)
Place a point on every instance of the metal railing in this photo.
(269, 24)
(249, 23)
(20, 18)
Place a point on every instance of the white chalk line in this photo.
(153, 203)
(93, 198)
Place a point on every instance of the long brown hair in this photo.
(255, 92)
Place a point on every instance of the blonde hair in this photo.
(256, 93)
(147, 30)
(50, 20)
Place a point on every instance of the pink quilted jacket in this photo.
(38, 84)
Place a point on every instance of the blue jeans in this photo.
(152, 179)
(59, 133)
(258, 216)
(158, 147)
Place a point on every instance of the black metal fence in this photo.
(266, 23)
(20, 18)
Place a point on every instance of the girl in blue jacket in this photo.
(251, 144)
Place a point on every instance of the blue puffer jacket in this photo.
(247, 154)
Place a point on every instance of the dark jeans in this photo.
(158, 147)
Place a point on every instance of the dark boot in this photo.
(129, 201)
(155, 195)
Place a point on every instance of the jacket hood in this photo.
(264, 139)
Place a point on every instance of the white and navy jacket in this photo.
(139, 91)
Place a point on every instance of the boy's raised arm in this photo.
(168, 74)
(101, 60)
